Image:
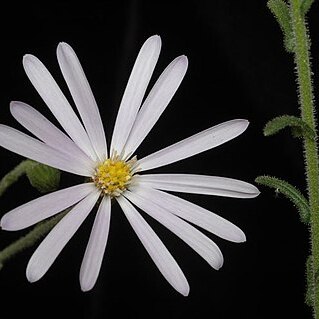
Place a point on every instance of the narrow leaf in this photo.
(306, 5)
(280, 10)
(290, 192)
(298, 126)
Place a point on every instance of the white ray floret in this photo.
(156, 102)
(83, 98)
(32, 148)
(52, 95)
(205, 247)
(135, 90)
(94, 252)
(44, 130)
(54, 242)
(117, 173)
(155, 247)
(194, 214)
(44, 207)
(195, 144)
(200, 184)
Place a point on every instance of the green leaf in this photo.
(44, 178)
(280, 10)
(290, 192)
(298, 126)
(306, 5)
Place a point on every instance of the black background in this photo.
(237, 69)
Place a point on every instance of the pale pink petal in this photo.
(204, 246)
(200, 184)
(195, 144)
(155, 247)
(43, 129)
(52, 95)
(83, 97)
(54, 242)
(135, 90)
(22, 144)
(44, 207)
(94, 252)
(195, 214)
(156, 102)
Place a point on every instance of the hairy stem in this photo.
(14, 175)
(302, 59)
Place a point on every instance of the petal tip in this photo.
(241, 238)
(62, 43)
(2, 224)
(14, 105)
(155, 37)
(27, 57)
(241, 123)
(255, 191)
(6, 225)
(154, 40)
(85, 287)
(32, 275)
(85, 283)
(219, 262)
(28, 61)
(184, 291)
(183, 59)
(244, 122)
(63, 46)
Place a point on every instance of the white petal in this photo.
(44, 207)
(156, 102)
(22, 144)
(195, 144)
(155, 247)
(135, 90)
(83, 97)
(204, 246)
(94, 252)
(43, 129)
(54, 242)
(200, 184)
(195, 214)
(52, 95)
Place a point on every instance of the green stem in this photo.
(302, 59)
(14, 175)
(38, 232)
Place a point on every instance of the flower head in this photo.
(117, 173)
(114, 175)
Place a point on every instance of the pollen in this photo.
(114, 175)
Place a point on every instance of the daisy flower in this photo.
(117, 173)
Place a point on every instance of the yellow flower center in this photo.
(114, 175)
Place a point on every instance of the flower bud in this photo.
(42, 177)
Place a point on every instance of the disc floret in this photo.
(114, 175)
